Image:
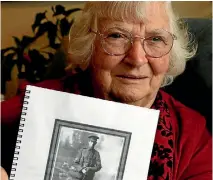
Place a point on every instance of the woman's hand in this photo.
(4, 175)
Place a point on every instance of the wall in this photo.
(200, 9)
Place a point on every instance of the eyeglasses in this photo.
(117, 41)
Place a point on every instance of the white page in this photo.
(126, 135)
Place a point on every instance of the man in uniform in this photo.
(87, 162)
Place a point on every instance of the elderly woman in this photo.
(127, 51)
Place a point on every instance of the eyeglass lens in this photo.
(116, 41)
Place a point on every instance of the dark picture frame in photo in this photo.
(86, 152)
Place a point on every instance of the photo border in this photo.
(80, 126)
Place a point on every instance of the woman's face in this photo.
(135, 77)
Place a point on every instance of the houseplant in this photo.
(32, 63)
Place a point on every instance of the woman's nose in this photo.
(136, 56)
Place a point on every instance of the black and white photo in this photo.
(84, 152)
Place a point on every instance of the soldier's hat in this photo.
(93, 138)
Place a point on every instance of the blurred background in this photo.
(27, 27)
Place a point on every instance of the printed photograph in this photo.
(84, 152)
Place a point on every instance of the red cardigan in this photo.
(182, 148)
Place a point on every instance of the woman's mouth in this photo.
(131, 77)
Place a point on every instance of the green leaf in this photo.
(64, 27)
(59, 9)
(3, 51)
(57, 22)
(52, 33)
(7, 58)
(70, 11)
(36, 69)
(43, 28)
(55, 45)
(39, 17)
(26, 41)
(7, 64)
(17, 41)
(53, 10)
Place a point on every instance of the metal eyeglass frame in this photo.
(174, 37)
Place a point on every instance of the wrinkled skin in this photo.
(107, 69)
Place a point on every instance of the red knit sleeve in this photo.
(11, 108)
(193, 143)
(200, 166)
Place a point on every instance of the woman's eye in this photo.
(115, 35)
(156, 39)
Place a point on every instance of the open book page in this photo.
(70, 137)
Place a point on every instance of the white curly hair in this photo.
(82, 40)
